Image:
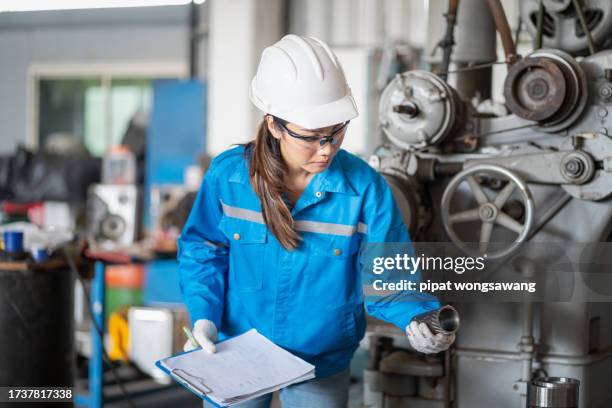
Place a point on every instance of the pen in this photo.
(190, 336)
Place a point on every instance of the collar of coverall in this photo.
(332, 179)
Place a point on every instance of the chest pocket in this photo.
(331, 274)
(334, 246)
(247, 252)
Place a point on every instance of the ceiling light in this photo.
(39, 5)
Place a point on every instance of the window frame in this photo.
(106, 72)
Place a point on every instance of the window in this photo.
(94, 109)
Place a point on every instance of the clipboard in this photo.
(189, 383)
(250, 352)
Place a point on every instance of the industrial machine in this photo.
(113, 214)
(495, 181)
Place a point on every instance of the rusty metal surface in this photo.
(535, 88)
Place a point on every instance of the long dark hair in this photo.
(266, 170)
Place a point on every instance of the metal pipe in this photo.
(503, 28)
(502, 356)
(526, 343)
(488, 355)
(527, 348)
(528, 320)
(442, 320)
(448, 41)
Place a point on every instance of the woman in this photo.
(273, 237)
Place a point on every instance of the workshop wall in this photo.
(104, 35)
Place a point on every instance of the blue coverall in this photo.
(234, 272)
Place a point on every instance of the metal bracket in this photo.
(520, 387)
(564, 167)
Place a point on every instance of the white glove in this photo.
(424, 341)
(205, 333)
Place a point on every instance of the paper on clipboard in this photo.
(244, 367)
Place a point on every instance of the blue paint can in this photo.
(13, 242)
(39, 253)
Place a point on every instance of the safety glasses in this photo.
(314, 142)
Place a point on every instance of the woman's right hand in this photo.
(205, 333)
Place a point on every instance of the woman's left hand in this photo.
(424, 341)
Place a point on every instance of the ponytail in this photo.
(266, 170)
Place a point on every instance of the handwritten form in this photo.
(244, 367)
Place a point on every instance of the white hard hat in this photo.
(300, 80)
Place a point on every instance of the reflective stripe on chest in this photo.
(300, 225)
